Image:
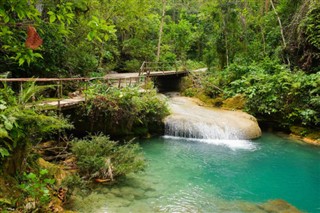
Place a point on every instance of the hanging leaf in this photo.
(4, 152)
(33, 40)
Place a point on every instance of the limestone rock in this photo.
(189, 119)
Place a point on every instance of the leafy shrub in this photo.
(193, 65)
(224, 78)
(122, 111)
(191, 92)
(289, 97)
(35, 188)
(98, 157)
(311, 23)
(271, 91)
(132, 65)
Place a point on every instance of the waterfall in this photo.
(188, 128)
(189, 120)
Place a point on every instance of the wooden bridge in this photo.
(153, 69)
(147, 70)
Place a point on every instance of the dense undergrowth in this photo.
(271, 91)
(24, 186)
(24, 128)
(125, 111)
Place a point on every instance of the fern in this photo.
(30, 90)
(312, 24)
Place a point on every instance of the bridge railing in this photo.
(55, 89)
(149, 67)
(74, 87)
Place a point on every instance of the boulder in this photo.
(189, 118)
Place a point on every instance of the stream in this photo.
(192, 176)
(206, 172)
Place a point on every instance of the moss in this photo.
(55, 170)
(308, 135)
(306, 132)
(217, 102)
(206, 99)
(186, 83)
(297, 130)
(9, 192)
(314, 134)
(236, 102)
(278, 206)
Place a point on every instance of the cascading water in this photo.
(189, 120)
(189, 128)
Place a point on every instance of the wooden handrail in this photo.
(149, 66)
(41, 79)
(115, 82)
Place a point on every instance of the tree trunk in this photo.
(16, 162)
(266, 5)
(226, 42)
(281, 30)
(161, 29)
(280, 24)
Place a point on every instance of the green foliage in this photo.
(312, 23)
(73, 181)
(36, 189)
(181, 36)
(62, 13)
(132, 65)
(100, 158)
(191, 92)
(304, 41)
(22, 126)
(11, 38)
(289, 97)
(194, 65)
(99, 29)
(121, 111)
(271, 90)
(83, 36)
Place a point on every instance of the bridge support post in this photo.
(59, 95)
(119, 84)
(59, 106)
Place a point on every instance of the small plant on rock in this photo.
(103, 160)
(36, 190)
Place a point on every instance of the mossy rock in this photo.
(311, 136)
(235, 103)
(53, 169)
(298, 130)
(280, 206)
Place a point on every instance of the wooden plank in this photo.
(116, 76)
(41, 79)
(161, 73)
(63, 102)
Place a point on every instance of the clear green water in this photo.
(216, 176)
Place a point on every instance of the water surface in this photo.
(216, 176)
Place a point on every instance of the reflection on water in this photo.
(191, 176)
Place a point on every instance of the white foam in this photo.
(232, 144)
(189, 120)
